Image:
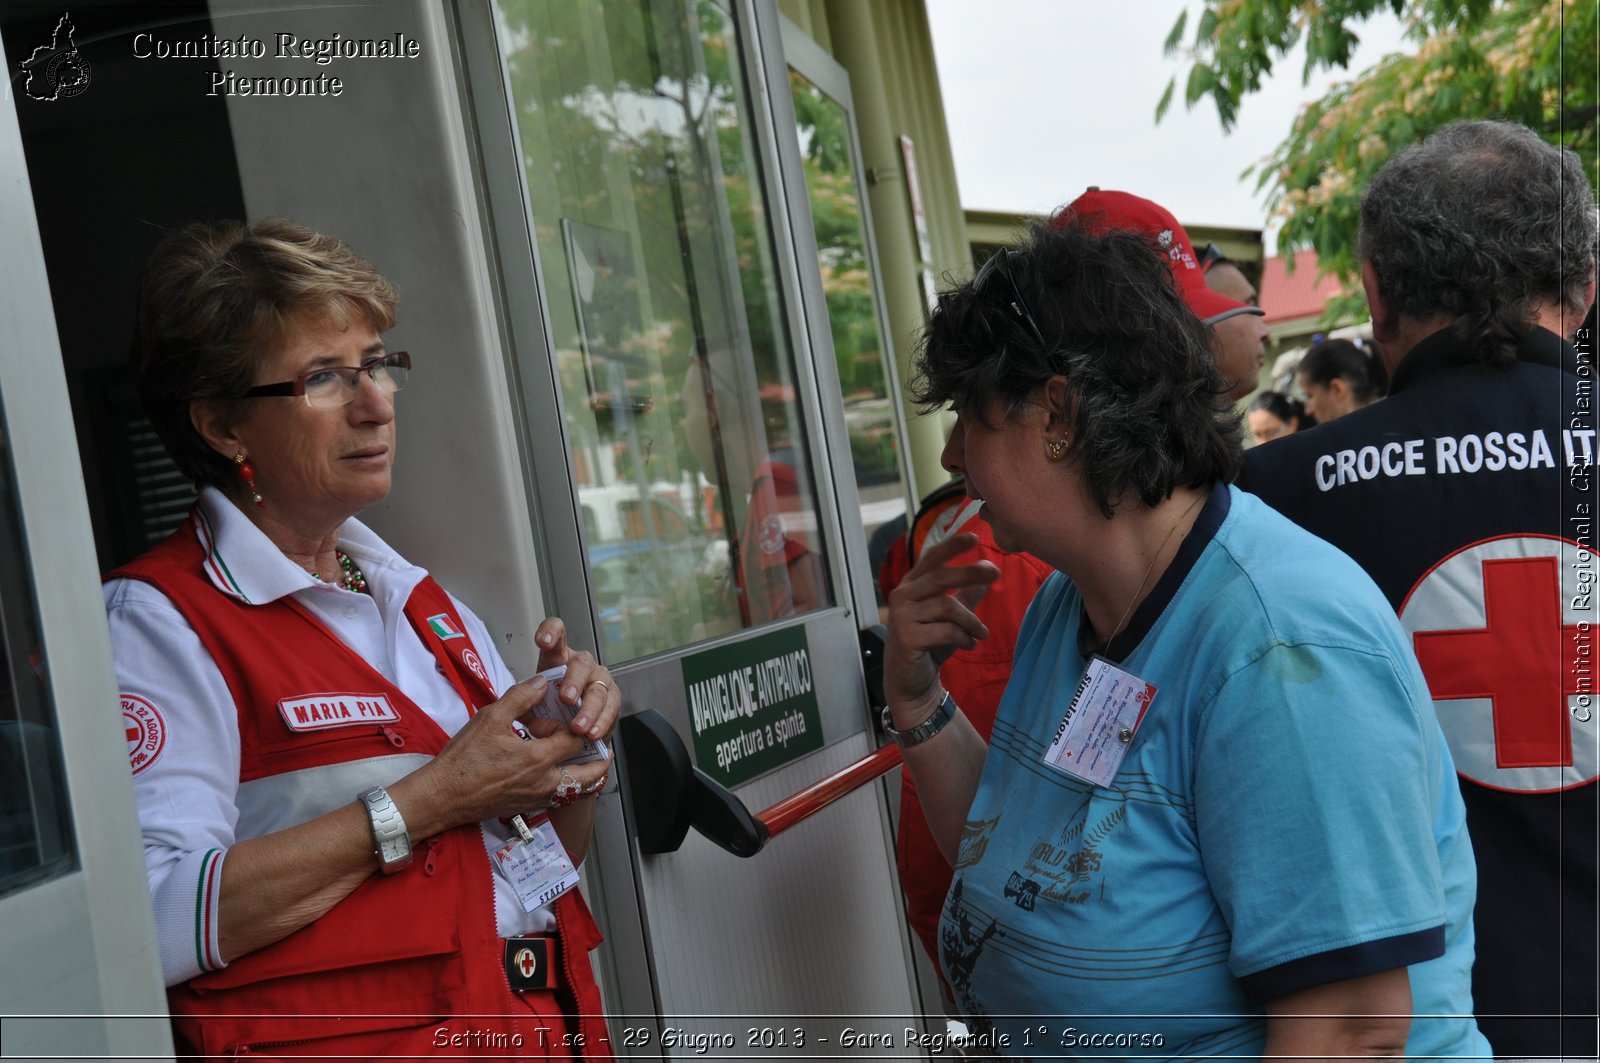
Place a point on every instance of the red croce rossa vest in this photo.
(402, 952)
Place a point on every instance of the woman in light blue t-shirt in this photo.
(1216, 815)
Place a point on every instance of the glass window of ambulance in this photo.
(642, 555)
(280, 820)
(1203, 771)
(780, 571)
(36, 835)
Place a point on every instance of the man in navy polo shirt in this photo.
(1469, 496)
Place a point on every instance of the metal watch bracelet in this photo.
(915, 736)
(391, 840)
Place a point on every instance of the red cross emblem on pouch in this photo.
(526, 963)
(1506, 631)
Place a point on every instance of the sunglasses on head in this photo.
(999, 264)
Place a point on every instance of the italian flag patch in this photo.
(444, 627)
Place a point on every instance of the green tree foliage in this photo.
(628, 115)
(635, 134)
(1529, 61)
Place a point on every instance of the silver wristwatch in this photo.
(913, 736)
(388, 830)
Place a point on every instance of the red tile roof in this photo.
(1286, 296)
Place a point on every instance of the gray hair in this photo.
(215, 297)
(1482, 222)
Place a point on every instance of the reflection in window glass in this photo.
(675, 362)
(823, 127)
(35, 828)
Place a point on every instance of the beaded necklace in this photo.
(351, 577)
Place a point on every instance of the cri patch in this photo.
(318, 712)
(470, 659)
(145, 731)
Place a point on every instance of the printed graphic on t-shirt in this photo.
(962, 937)
(974, 841)
(1066, 868)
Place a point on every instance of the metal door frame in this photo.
(522, 308)
(808, 59)
(811, 61)
(81, 945)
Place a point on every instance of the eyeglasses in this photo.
(336, 385)
(999, 264)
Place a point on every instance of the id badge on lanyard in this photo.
(1099, 725)
(536, 864)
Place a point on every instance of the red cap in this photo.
(1102, 212)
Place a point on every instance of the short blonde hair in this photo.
(217, 297)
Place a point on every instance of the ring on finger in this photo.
(601, 683)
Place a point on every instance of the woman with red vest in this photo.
(361, 834)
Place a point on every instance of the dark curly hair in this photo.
(1481, 222)
(216, 297)
(1151, 410)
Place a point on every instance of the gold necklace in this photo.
(1150, 568)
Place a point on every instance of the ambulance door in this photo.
(679, 387)
(826, 148)
(79, 974)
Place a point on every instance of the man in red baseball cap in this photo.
(1239, 336)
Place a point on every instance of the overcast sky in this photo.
(1047, 97)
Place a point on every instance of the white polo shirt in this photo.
(183, 725)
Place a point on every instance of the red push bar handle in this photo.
(668, 795)
(776, 819)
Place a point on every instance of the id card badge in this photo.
(553, 708)
(1105, 713)
(536, 864)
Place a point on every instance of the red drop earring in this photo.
(247, 473)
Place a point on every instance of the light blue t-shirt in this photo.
(1286, 816)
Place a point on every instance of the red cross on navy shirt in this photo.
(1522, 660)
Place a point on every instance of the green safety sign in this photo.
(752, 705)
